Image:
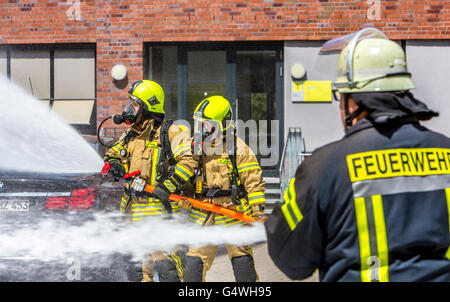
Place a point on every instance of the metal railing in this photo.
(293, 155)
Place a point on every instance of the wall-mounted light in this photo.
(298, 72)
(119, 72)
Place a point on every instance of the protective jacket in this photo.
(214, 182)
(144, 151)
(373, 206)
(215, 179)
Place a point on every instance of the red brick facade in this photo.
(119, 27)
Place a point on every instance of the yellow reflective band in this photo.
(248, 166)
(398, 162)
(255, 201)
(255, 194)
(447, 196)
(168, 184)
(180, 149)
(363, 236)
(151, 213)
(256, 197)
(197, 217)
(382, 245)
(290, 208)
(174, 257)
(183, 172)
(198, 213)
(155, 161)
(151, 144)
(123, 204)
(117, 148)
(227, 220)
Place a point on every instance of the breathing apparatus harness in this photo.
(237, 191)
(166, 150)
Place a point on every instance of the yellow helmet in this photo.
(148, 94)
(212, 117)
(215, 108)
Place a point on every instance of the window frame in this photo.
(231, 48)
(84, 129)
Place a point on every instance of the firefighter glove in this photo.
(163, 195)
(185, 204)
(258, 211)
(117, 169)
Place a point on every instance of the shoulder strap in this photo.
(237, 191)
(165, 142)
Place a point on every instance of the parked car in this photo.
(26, 199)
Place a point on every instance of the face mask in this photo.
(206, 131)
(128, 116)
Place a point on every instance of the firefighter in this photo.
(227, 174)
(158, 149)
(375, 205)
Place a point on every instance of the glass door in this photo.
(256, 103)
(249, 75)
(206, 76)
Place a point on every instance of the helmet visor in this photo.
(326, 65)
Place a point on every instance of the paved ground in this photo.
(222, 271)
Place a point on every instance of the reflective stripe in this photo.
(372, 236)
(117, 148)
(197, 216)
(227, 220)
(175, 258)
(248, 166)
(169, 185)
(363, 236)
(151, 144)
(155, 161)
(123, 204)
(256, 197)
(382, 244)
(447, 196)
(142, 213)
(399, 185)
(180, 149)
(183, 172)
(290, 208)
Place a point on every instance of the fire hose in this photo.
(140, 185)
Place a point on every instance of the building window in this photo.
(248, 74)
(62, 76)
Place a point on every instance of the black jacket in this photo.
(372, 206)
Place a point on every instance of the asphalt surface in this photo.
(221, 271)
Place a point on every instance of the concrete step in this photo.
(272, 193)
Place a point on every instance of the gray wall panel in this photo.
(429, 63)
(320, 123)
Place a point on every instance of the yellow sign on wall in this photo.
(311, 91)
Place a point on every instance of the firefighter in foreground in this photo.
(375, 205)
(158, 149)
(227, 174)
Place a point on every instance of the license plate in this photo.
(14, 205)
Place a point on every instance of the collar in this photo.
(360, 125)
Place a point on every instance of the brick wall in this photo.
(119, 27)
